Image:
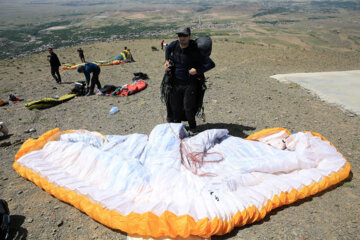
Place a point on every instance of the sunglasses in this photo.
(182, 35)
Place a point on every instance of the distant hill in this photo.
(28, 27)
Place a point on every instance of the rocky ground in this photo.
(241, 97)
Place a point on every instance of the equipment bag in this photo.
(4, 220)
(79, 88)
(204, 44)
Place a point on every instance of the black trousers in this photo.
(95, 81)
(82, 57)
(55, 70)
(183, 103)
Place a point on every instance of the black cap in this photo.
(184, 30)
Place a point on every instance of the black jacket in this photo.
(187, 58)
(54, 60)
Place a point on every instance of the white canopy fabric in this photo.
(171, 185)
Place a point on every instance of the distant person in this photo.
(187, 64)
(95, 70)
(81, 55)
(128, 54)
(162, 45)
(54, 64)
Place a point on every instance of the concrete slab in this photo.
(339, 88)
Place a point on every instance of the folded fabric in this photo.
(49, 102)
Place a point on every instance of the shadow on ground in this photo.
(62, 83)
(5, 137)
(16, 231)
(234, 129)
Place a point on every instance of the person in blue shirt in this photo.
(95, 70)
(189, 64)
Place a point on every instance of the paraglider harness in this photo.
(167, 83)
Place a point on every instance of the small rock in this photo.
(60, 223)
(30, 130)
(20, 192)
(29, 220)
(56, 207)
(53, 217)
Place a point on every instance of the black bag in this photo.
(166, 87)
(165, 91)
(108, 89)
(4, 220)
(140, 76)
(79, 88)
(204, 44)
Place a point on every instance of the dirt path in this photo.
(241, 97)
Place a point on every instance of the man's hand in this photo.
(192, 71)
(166, 65)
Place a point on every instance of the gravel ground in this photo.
(241, 97)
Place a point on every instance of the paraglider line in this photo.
(195, 159)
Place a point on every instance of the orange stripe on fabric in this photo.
(265, 133)
(168, 224)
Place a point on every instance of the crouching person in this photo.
(95, 70)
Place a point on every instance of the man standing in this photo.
(162, 45)
(54, 64)
(95, 70)
(81, 55)
(189, 65)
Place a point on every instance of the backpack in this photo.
(204, 44)
(79, 88)
(4, 220)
